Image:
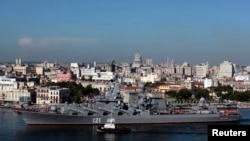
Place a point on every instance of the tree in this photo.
(171, 93)
(199, 92)
(184, 93)
(223, 91)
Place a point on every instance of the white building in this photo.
(241, 77)
(189, 84)
(152, 77)
(179, 70)
(208, 83)
(126, 69)
(149, 62)
(101, 86)
(7, 85)
(39, 70)
(131, 80)
(87, 72)
(10, 92)
(21, 69)
(226, 69)
(52, 95)
(74, 67)
(104, 76)
(201, 70)
(17, 95)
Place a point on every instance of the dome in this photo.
(137, 60)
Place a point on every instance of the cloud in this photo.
(25, 41)
(55, 41)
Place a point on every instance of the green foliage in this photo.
(182, 94)
(227, 92)
(240, 96)
(171, 93)
(200, 92)
(223, 91)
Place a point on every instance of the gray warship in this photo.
(147, 110)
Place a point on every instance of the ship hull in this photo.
(120, 129)
(39, 118)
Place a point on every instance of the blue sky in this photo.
(99, 30)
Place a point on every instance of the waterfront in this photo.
(13, 128)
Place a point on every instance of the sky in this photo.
(195, 31)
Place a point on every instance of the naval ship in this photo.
(146, 110)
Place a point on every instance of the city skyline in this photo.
(87, 31)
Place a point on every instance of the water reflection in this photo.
(54, 132)
(65, 133)
(109, 137)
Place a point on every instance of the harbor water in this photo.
(13, 128)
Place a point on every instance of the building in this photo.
(242, 76)
(12, 91)
(88, 72)
(189, 84)
(137, 61)
(64, 76)
(226, 69)
(187, 68)
(101, 86)
(152, 77)
(74, 67)
(170, 86)
(103, 76)
(17, 96)
(52, 95)
(39, 70)
(110, 66)
(170, 67)
(126, 69)
(21, 69)
(131, 80)
(149, 62)
(201, 70)
(241, 86)
(210, 83)
(7, 85)
(18, 62)
(179, 70)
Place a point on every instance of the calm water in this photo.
(13, 128)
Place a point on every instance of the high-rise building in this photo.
(226, 69)
(201, 70)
